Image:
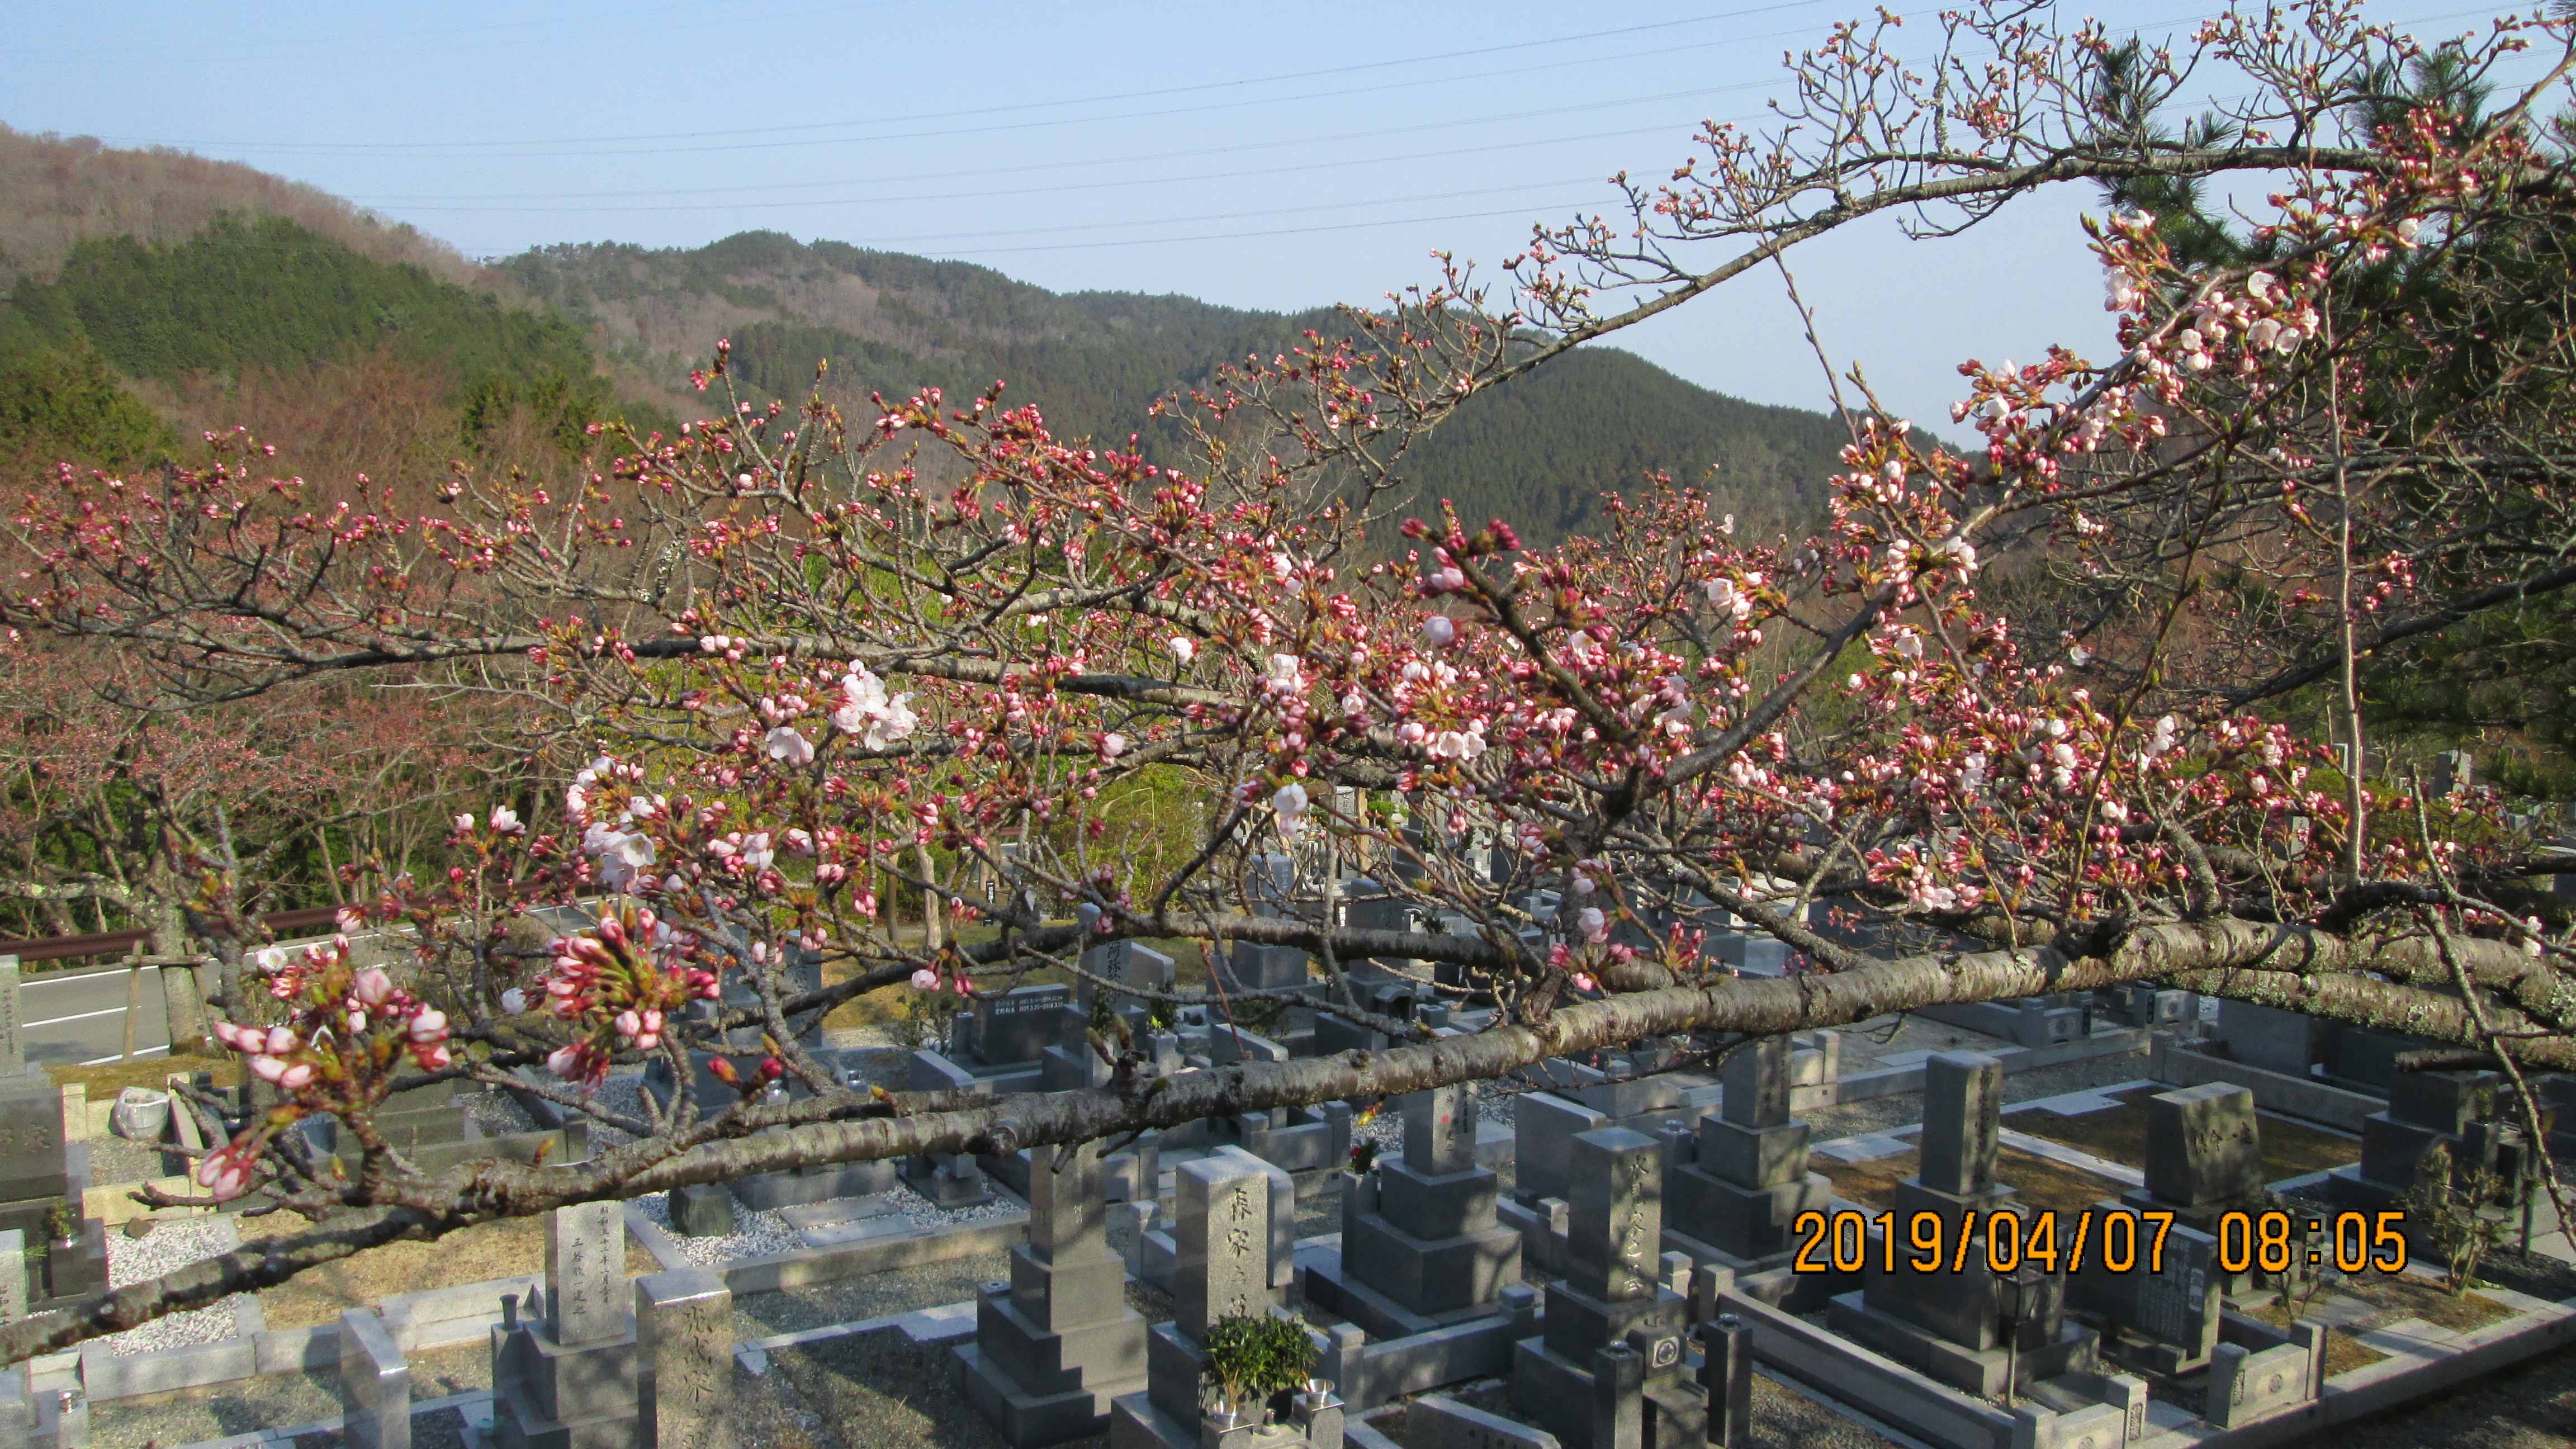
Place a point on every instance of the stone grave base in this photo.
(770, 1191)
(592, 1386)
(1030, 1422)
(1972, 1370)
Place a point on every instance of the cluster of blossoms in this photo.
(621, 981)
(346, 1034)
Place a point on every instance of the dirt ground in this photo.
(505, 1249)
(2119, 1134)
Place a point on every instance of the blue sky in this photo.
(1255, 156)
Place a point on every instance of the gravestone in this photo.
(375, 1384)
(13, 1286)
(2204, 1154)
(1611, 1316)
(1019, 1025)
(1738, 1184)
(1947, 1325)
(1129, 963)
(13, 1052)
(2171, 1304)
(2455, 1110)
(684, 1338)
(1544, 1126)
(2271, 1039)
(1057, 1344)
(1222, 1244)
(569, 1379)
(40, 1172)
(1422, 1258)
(999, 1047)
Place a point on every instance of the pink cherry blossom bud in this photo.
(628, 1023)
(1440, 630)
(373, 986)
(297, 1074)
(225, 1172)
(282, 1040)
(514, 1001)
(429, 1025)
(357, 1021)
(464, 824)
(1583, 981)
(565, 1062)
(925, 979)
(1594, 925)
(1183, 648)
(267, 1068)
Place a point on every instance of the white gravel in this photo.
(171, 1246)
(755, 1235)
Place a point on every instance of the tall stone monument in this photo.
(1223, 1245)
(1056, 1344)
(1737, 1185)
(1949, 1324)
(684, 1343)
(567, 1379)
(1609, 1350)
(40, 1173)
(1422, 1254)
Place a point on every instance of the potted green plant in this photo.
(1251, 1357)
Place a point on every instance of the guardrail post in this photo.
(133, 1000)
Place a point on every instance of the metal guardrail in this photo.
(123, 943)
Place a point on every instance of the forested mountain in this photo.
(57, 192)
(152, 294)
(1539, 451)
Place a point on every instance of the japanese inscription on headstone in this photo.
(585, 1272)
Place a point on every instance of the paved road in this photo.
(72, 1018)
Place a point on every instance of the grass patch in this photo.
(507, 1248)
(2344, 1353)
(2040, 1182)
(2401, 1296)
(108, 1078)
(2119, 1134)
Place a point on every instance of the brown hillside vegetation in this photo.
(56, 192)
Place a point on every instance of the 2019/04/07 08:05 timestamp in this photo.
(2119, 1242)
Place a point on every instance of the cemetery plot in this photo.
(510, 1248)
(2043, 1182)
(281, 1401)
(2119, 1134)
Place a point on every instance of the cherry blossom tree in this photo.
(1914, 745)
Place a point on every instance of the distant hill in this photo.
(57, 192)
(1538, 451)
(267, 295)
(153, 290)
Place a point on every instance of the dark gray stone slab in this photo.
(1962, 1103)
(2204, 1145)
(1615, 1222)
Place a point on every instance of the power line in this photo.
(460, 147)
(1291, 170)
